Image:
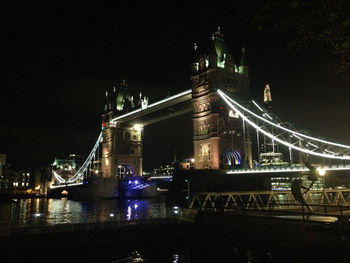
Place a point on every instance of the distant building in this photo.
(2, 165)
(168, 169)
(42, 179)
(21, 182)
(164, 170)
(17, 181)
(6, 175)
(186, 164)
(13, 181)
(285, 183)
(63, 169)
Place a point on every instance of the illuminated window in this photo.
(205, 152)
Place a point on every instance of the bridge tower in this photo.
(121, 142)
(220, 139)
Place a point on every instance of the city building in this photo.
(63, 169)
(42, 180)
(187, 164)
(21, 182)
(168, 169)
(2, 168)
(164, 170)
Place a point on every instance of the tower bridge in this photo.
(229, 130)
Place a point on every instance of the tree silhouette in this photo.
(313, 24)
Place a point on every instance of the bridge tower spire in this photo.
(219, 140)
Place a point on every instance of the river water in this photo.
(42, 211)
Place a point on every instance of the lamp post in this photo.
(188, 192)
(322, 173)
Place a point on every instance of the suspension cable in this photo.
(281, 127)
(226, 99)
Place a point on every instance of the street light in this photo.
(188, 192)
(322, 173)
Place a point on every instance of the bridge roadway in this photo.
(161, 110)
(256, 170)
(289, 169)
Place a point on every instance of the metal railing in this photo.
(262, 199)
(334, 204)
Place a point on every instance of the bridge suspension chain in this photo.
(84, 169)
(286, 136)
(311, 142)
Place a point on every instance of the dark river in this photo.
(41, 211)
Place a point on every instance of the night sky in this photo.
(58, 60)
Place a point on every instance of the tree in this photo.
(311, 24)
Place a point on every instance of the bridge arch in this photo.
(124, 170)
(231, 158)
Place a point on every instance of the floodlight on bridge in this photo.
(137, 127)
(321, 171)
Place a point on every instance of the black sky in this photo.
(59, 58)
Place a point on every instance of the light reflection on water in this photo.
(161, 256)
(41, 211)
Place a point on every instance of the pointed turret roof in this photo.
(106, 102)
(244, 61)
(219, 45)
(195, 57)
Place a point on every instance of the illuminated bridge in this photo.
(230, 132)
(264, 123)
